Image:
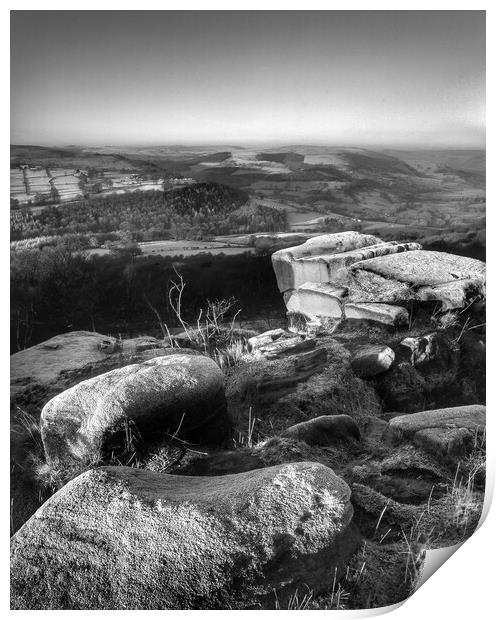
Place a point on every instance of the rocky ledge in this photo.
(353, 276)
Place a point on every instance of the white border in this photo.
(463, 587)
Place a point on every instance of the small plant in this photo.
(295, 602)
(246, 440)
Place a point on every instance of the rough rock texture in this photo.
(159, 395)
(453, 295)
(417, 350)
(122, 538)
(449, 432)
(424, 268)
(406, 475)
(278, 343)
(370, 360)
(366, 286)
(379, 313)
(289, 265)
(324, 430)
(43, 364)
(422, 349)
(472, 417)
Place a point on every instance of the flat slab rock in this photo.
(284, 261)
(44, 362)
(379, 313)
(159, 395)
(424, 268)
(124, 538)
(314, 299)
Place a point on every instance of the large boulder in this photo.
(293, 269)
(424, 268)
(123, 538)
(178, 392)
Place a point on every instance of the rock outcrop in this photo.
(424, 268)
(307, 262)
(161, 395)
(353, 276)
(123, 538)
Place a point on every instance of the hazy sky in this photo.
(333, 77)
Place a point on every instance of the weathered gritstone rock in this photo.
(333, 267)
(123, 538)
(317, 300)
(372, 359)
(453, 295)
(424, 268)
(156, 396)
(424, 349)
(380, 313)
(289, 265)
(44, 363)
(406, 475)
(324, 430)
(366, 286)
(451, 432)
(278, 343)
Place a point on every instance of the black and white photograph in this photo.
(247, 305)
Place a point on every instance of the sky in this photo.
(392, 78)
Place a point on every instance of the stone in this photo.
(424, 268)
(157, 396)
(279, 343)
(472, 417)
(453, 443)
(264, 381)
(317, 300)
(451, 433)
(372, 359)
(125, 538)
(366, 286)
(268, 337)
(324, 430)
(80, 352)
(453, 295)
(333, 267)
(290, 269)
(44, 362)
(284, 348)
(422, 349)
(393, 316)
(406, 475)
